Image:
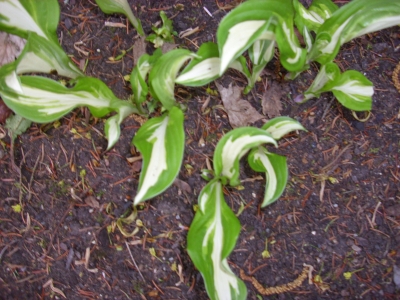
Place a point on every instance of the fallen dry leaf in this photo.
(393, 210)
(183, 185)
(166, 47)
(92, 202)
(271, 100)
(139, 48)
(240, 112)
(53, 288)
(10, 47)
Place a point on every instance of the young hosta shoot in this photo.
(250, 21)
(44, 100)
(37, 22)
(41, 56)
(138, 76)
(351, 88)
(281, 126)
(215, 228)
(233, 146)
(161, 141)
(274, 165)
(24, 16)
(328, 73)
(205, 67)
(260, 53)
(112, 126)
(211, 238)
(120, 6)
(163, 74)
(163, 34)
(312, 18)
(276, 173)
(202, 69)
(354, 19)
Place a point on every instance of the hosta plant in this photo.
(215, 228)
(256, 26)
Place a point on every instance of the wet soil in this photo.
(340, 212)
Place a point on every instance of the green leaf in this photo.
(17, 125)
(139, 74)
(280, 126)
(122, 7)
(162, 34)
(162, 76)
(233, 146)
(353, 90)
(211, 238)
(43, 100)
(276, 172)
(202, 69)
(161, 141)
(24, 16)
(313, 17)
(249, 21)
(42, 56)
(260, 53)
(328, 73)
(205, 67)
(112, 126)
(353, 19)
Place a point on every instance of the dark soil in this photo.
(353, 226)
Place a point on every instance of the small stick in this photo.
(130, 253)
(374, 214)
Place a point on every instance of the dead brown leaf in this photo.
(166, 47)
(240, 112)
(92, 202)
(10, 47)
(183, 185)
(271, 100)
(139, 48)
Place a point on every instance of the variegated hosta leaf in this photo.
(24, 16)
(43, 56)
(260, 53)
(327, 74)
(247, 23)
(44, 100)
(139, 74)
(280, 126)
(353, 90)
(233, 146)
(112, 126)
(163, 74)
(356, 18)
(211, 238)
(205, 67)
(315, 15)
(161, 141)
(202, 69)
(276, 172)
(120, 6)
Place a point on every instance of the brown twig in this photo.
(280, 288)
(395, 77)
